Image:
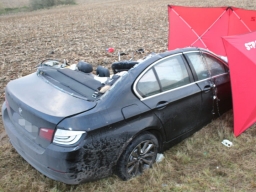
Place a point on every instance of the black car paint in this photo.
(46, 99)
(37, 102)
(110, 125)
(172, 107)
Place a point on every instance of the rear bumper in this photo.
(56, 162)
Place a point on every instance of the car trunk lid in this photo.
(34, 104)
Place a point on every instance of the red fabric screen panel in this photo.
(242, 21)
(180, 34)
(241, 52)
(187, 24)
(212, 36)
(200, 18)
(204, 27)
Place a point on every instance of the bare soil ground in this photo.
(83, 32)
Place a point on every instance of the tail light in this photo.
(67, 137)
(46, 133)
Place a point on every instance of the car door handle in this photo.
(207, 88)
(161, 104)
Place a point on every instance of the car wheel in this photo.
(139, 155)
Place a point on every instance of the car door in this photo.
(168, 89)
(213, 79)
(221, 80)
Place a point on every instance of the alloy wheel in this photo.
(142, 157)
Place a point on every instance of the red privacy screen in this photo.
(241, 52)
(204, 27)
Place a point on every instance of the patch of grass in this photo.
(34, 5)
(41, 4)
(13, 10)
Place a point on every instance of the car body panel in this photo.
(215, 86)
(175, 105)
(182, 110)
(34, 104)
(34, 92)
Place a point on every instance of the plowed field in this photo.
(84, 32)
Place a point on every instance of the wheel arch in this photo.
(159, 136)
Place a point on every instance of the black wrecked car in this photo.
(74, 126)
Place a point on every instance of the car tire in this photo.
(139, 155)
